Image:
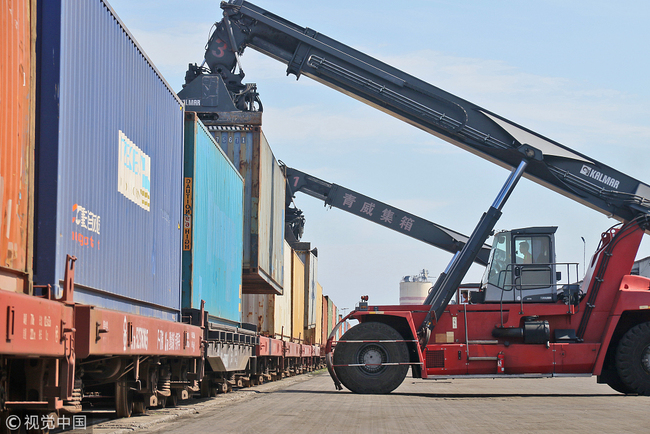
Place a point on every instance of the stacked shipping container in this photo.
(280, 315)
(310, 259)
(17, 102)
(213, 218)
(269, 312)
(297, 297)
(109, 149)
(264, 185)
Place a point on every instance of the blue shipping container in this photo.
(109, 163)
(213, 219)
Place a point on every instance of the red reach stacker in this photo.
(529, 317)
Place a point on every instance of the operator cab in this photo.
(521, 267)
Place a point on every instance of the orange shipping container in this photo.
(17, 33)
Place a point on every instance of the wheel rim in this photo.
(645, 359)
(372, 357)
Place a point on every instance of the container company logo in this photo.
(598, 176)
(86, 224)
(134, 173)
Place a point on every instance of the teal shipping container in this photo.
(213, 219)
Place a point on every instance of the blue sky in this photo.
(576, 72)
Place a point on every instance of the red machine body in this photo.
(462, 341)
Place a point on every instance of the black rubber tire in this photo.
(613, 380)
(365, 379)
(633, 359)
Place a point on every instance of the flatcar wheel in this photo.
(206, 387)
(172, 400)
(139, 407)
(123, 399)
(373, 376)
(633, 359)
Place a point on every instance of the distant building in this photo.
(642, 267)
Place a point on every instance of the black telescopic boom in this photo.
(380, 213)
(460, 122)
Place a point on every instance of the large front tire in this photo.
(633, 359)
(373, 377)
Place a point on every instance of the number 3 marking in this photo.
(221, 48)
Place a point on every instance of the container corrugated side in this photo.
(17, 102)
(264, 192)
(297, 297)
(318, 331)
(330, 315)
(259, 309)
(337, 318)
(109, 155)
(272, 313)
(325, 332)
(283, 303)
(310, 260)
(213, 218)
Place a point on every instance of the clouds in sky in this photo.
(574, 73)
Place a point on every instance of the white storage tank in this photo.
(414, 289)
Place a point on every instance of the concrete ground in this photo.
(310, 404)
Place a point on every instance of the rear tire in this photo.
(633, 359)
(371, 378)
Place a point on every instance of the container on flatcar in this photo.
(284, 302)
(264, 187)
(17, 102)
(325, 332)
(271, 313)
(333, 319)
(297, 297)
(337, 318)
(213, 218)
(330, 315)
(318, 330)
(109, 156)
(309, 257)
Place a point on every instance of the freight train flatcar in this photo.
(132, 233)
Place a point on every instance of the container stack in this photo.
(264, 195)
